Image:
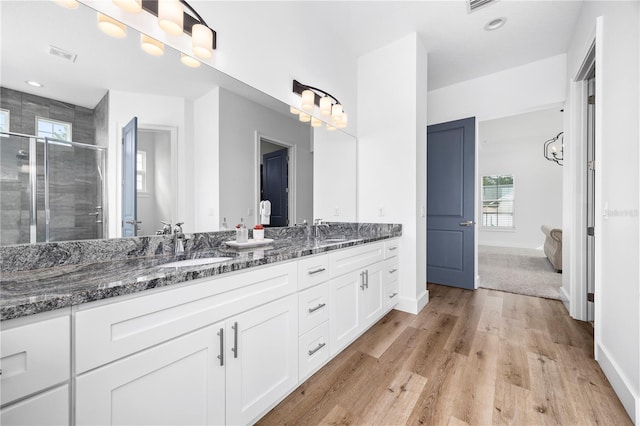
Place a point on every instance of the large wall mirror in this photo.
(205, 141)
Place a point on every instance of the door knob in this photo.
(467, 223)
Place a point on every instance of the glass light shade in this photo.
(305, 118)
(343, 122)
(293, 110)
(336, 112)
(69, 4)
(111, 27)
(307, 100)
(202, 41)
(330, 128)
(325, 106)
(151, 45)
(171, 16)
(131, 6)
(189, 61)
(316, 122)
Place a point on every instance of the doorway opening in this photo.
(590, 169)
(276, 204)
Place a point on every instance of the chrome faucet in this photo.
(166, 228)
(178, 239)
(317, 224)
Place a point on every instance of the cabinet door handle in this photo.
(393, 295)
(316, 271)
(320, 306)
(362, 279)
(393, 248)
(391, 271)
(234, 349)
(366, 274)
(221, 356)
(317, 348)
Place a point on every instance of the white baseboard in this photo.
(619, 382)
(565, 299)
(413, 306)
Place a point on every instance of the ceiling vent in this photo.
(473, 5)
(60, 53)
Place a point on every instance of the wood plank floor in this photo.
(479, 357)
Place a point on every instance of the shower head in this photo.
(22, 155)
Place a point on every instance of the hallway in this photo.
(483, 357)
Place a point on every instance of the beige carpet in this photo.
(517, 270)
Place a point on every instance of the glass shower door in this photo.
(16, 187)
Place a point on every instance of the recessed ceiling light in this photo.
(34, 83)
(495, 24)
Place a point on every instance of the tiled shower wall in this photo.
(74, 174)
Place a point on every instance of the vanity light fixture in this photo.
(150, 45)
(293, 110)
(189, 61)
(304, 117)
(330, 128)
(69, 4)
(171, 16)
(329, 105)
(316, 122)
(110, 26)
(131, 6)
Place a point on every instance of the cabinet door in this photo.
(344, 303)
(262, 353)
(176, 383)
(47, 408)
(372, 303)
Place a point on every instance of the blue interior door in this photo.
(129, 193)
(275, 185)
(450, 203)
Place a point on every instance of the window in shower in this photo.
(4, 120)
(53, 129)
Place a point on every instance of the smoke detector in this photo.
(63, 54)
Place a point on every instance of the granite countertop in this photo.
(27, 292)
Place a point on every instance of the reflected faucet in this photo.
(178, 239)
(318, 223)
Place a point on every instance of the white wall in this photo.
(239, 122)
(513, 146)
(151, 110)
(334, 176)
(617, 299)
(392, 154)
(517, 90)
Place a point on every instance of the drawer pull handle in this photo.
(235, 340)
(393, 248)
(391, 271)
(393, 295)
(320, 306)
(320, 346)
(221, 356)
(362, 279)
(366, 275)
(316, 271)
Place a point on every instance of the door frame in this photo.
(292, 174)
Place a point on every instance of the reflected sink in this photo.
(195, 262)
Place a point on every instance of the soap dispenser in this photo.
(242, 233)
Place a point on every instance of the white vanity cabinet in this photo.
(355, 292)
(35, 361)
(391, 273)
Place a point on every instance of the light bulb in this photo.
(69, 4)
(293, 110)
(325, 106)
(336, 112)
(330, 128)
(170, 16)
(307, 100)
(110, 26)
(343, 122)
(304, 117)
(189, 61)
(315, 122)
(131, 6)
(151, 46)
(202, 41)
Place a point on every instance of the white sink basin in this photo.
(195, 262)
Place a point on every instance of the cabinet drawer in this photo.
(34, 356)
(351, 259)
(391, 248)
(391, 294)
(108, 332)
(391, 270)
(314, 350)
(47, 408)
(313, 307)
(312, 271)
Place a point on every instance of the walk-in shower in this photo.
(50, 190)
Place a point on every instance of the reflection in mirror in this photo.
(97, 84)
